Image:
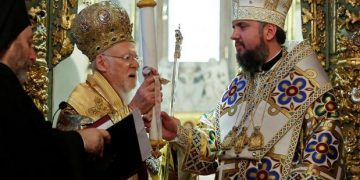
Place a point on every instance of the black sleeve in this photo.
(30, 148)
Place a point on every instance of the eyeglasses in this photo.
(126, 57)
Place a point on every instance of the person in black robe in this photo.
(29, 147)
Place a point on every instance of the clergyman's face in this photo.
(250, 46)
(21, 54)
(122, 66)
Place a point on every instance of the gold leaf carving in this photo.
(37, 82)
(307, 16)
(64, 13)
(353, 3)
(339, 39)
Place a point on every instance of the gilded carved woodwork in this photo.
(63, 12)
(347, 76)
(335, 36)
(314, 26)
(89, 2)
(37, 82)
(60, 15)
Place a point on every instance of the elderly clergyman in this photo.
(30, 148)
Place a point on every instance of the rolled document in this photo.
(149, 48)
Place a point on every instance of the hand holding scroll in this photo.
(144, 98)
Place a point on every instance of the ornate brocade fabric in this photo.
(297, 113)
(92, 100)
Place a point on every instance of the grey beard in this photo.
(252, 60)
(128, 96)
(23, 74)
(23, 77)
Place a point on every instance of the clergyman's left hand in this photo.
(169, 126)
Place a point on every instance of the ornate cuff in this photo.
(183, 135)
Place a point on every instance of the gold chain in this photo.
(256, 140)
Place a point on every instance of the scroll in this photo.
(149, 48)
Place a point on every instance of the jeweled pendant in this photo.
(241, 141)
(229, 139)
(256, 140)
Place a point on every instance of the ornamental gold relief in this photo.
(61, 14)
(346, 76)
(333, 27)
(64, 11)
(354, 3)
(313, 19)
(37, 82)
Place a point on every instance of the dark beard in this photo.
(252, 60)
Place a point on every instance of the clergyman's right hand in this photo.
(144, 98)
(94, 140)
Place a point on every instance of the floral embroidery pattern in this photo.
(327, 107)
(232, 94)
(99, 108)
(322, 150)
(292, 91)
(264, 170)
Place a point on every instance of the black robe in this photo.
(29, 147)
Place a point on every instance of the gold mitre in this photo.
(99, 26)
(269, 11)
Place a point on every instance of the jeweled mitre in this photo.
(99, 26)
(269, 11)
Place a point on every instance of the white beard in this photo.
(23, 75)
(127, 97)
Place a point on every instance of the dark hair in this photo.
(280, 35)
